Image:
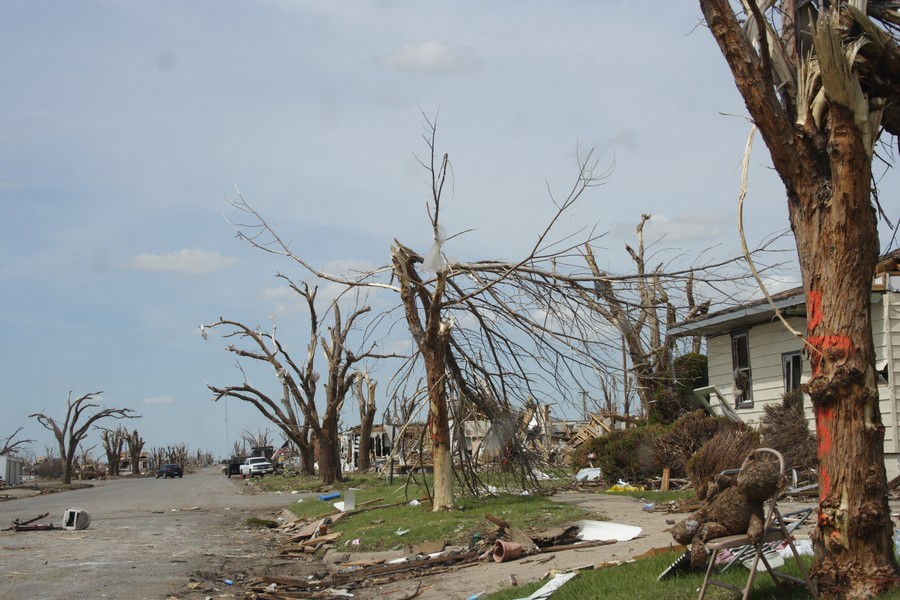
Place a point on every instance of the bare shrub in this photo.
(785, 429)
(685, 437)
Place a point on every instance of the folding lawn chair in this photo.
(792, 521)
(777, 532)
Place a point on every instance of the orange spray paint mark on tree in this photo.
(824, 343)
(815, 309)
(824, 420)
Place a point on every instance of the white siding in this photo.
(770, 340)
(886, 335)
(767, 344)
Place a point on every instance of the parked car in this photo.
(166, 471)
(256, 465)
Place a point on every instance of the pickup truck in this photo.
(256, 465)
(233, 466)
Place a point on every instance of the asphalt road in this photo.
(148, 538)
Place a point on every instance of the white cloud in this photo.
(156, 400)
(689, 227)
(432, 56)
(189, 261)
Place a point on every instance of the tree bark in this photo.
(307, 453)
(329, 452)
(135, 446)
(113, 441)
(439, 425)
(366, 419)
(432, 339)
(837, 241)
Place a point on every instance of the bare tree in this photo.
(239, 448)
(365, 395)
(821, 81)
(8, 446)
(113, 441)
(177, 454)
(490, 336)
(643, 321)
(203, 458)
(299, 380)
(135, 448)
(85, 463)
(70, 433)
(260, 439)
(158, 456)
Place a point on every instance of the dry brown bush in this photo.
(685, 437)
(785, 429)
(725, 450)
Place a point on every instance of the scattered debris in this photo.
(76, 518)
(506, 551)
(347, 572)
(605, 531)
(551, 586)
(623, 486)
(30, 524)
(514, 534)
(682, 564)
(589, 474)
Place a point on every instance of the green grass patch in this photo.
(637, 581)
(288, 483)
(379, 529)
(383, 509)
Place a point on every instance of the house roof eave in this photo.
(736, 318)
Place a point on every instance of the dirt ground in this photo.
(188, 539)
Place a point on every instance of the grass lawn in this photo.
(637, 581)
(386, 519)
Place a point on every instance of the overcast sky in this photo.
(124, 127)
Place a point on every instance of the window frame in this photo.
(787, 362)
(745, 400)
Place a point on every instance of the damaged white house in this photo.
(753, 359)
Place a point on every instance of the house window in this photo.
(792, 369)
(742, 389)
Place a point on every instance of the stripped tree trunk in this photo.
(820, 123)
(837, 241)
(432, 339)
